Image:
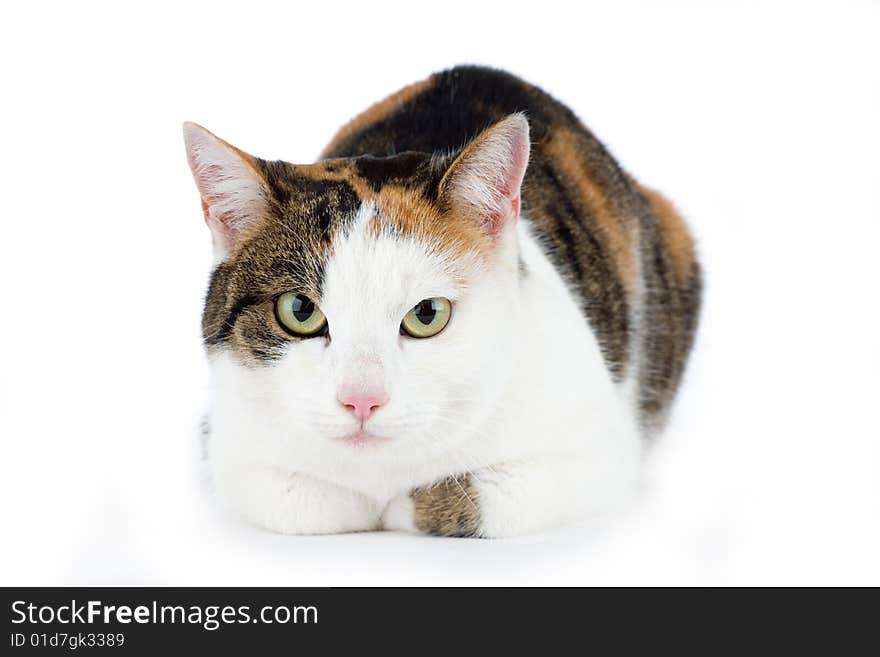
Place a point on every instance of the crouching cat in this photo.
(465, 319)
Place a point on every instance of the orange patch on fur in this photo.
(405, 211)
(613, 228)
(675, 234)
(375, 113)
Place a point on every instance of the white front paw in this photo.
(289, 503)
(399, 515)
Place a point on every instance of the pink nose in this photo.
(362, 405)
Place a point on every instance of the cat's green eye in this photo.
(427, 318)
(299, 315)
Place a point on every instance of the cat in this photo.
(464, 320)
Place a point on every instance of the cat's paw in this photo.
(399, 515)
(445, 508)
(290, 503)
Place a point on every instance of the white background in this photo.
(762, 122)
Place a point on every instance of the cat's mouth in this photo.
(363, 438)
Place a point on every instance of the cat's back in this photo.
(625, 252)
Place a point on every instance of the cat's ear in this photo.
(484, 179)
(233, 191)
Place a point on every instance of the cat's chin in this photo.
(362, 439)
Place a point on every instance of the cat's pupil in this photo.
(302, 307)
(425, 312)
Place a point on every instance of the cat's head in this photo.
(363, 305)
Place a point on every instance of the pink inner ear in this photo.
(517, 169)
(508, 192)
(506, 214)
(230, 188)
(516, 208)
(220, 220)
(209, 180)
(220, 228)
(489, 173)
